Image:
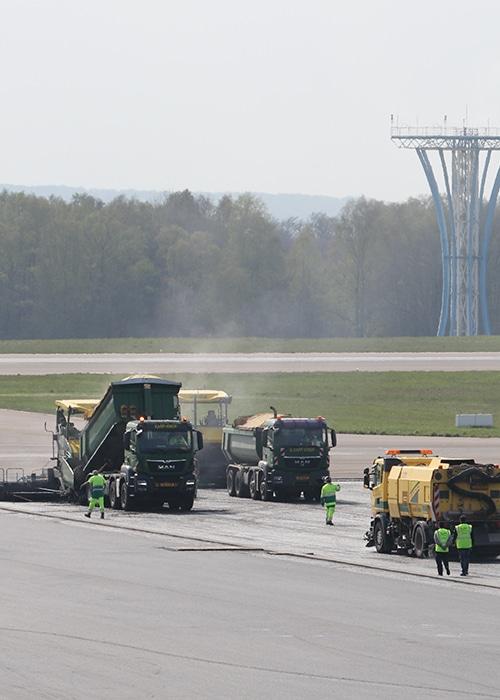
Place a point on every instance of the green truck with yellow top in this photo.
(411, 491)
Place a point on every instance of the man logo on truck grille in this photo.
(165, 465)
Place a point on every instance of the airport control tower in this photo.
(464, 217)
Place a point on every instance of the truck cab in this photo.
(158, 466)
(277, 455)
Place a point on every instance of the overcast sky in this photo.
(268, 95)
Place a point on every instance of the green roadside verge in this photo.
(392, 403)
(147, 345)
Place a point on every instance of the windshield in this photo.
(159, 440)
(213, 416)
(301, 437)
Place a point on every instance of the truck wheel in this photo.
(124, 497)
(383, 543)
(264, 493)
(186, 503)
(230, 482)
(420, 542)
(253, 486)
(174, 503)
(240, 486)
(114, 498)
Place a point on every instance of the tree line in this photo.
(185, 266)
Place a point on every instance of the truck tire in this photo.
(124, 497)
(383, 543)
(265, 494)
(230, 482)
(420, 545)
(114, 498)
(174, 503)
(186, 503)
(253, 485)
(240, 486)
(312, 494)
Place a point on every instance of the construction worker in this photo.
(442, 540)
(464, 543)
(97, 484)
(329, 498)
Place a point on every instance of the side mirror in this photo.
(199, 439)
(126, 441)
(366, 478)
(333, 435)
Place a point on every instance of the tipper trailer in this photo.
(271, 455)
(135, 437)
(412, 491)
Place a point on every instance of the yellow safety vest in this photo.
(443, 534)
(464, 536)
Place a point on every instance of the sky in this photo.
(267, 96)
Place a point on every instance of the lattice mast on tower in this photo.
(465, 219)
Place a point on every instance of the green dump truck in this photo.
(277, 456)
(134, 436)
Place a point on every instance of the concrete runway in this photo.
(92, 612)
(165, 363)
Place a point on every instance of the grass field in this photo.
(134, 345)
(404, 403)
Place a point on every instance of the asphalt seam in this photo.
(240, 548)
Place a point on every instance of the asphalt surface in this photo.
(88, 611)
(221, 522)
(247, 363)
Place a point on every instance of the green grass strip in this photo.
(147, 345)
(399, 403)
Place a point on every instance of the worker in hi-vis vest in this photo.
(329, 498)
(464, 543)
(442, 541)
(97, 486)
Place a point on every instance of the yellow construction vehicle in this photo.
(412, 491)
(207, 410)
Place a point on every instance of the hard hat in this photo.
(326, 479)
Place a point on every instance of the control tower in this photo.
(464, 217)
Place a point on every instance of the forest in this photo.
(185, 266)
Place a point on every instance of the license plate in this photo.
(303, 477)
(167, 484)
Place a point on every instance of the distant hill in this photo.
(281, 206)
